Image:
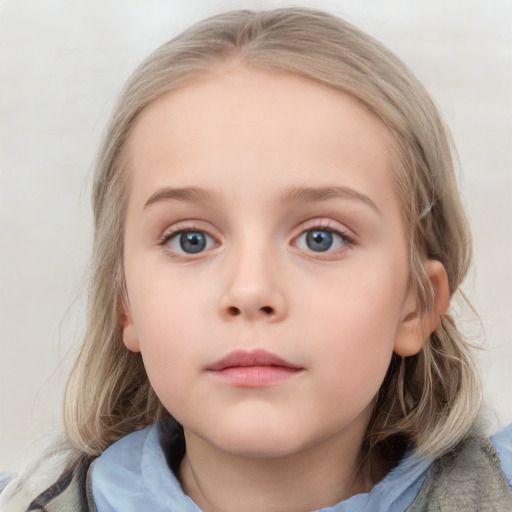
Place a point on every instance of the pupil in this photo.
(192, 241)
(319, 240)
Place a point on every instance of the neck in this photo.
(319, 476)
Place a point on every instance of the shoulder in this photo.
(66, 494)
(471, 477)
(71, 492)
(502, 443)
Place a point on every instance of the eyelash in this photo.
(175, 231)
(314, 224)
(329, 226)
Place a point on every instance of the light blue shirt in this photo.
(133, 475)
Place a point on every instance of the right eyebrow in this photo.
(187, 194)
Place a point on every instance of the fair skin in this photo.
(296, 247)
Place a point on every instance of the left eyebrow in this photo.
(313, 194)
(186, 194)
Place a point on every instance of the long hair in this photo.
(431, 400)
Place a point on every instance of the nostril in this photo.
(267, 310)
(233, 311)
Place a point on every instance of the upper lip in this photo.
(250, 358)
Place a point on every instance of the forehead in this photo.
(238, 123)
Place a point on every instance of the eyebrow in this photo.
(187, 194)
(291, 195)
(313, 194)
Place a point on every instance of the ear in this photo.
(130, 339)
(416, 326)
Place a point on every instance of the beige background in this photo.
(61, 64)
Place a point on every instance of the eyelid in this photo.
(324, 223)
(184, 226)
(327, 224)
(188, 225)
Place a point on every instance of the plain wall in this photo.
(62, 62)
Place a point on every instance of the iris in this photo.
(319, 240)
(192, 241)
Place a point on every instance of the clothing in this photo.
(133, 476)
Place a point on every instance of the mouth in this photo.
(254, 369)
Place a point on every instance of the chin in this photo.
(257, 440)
(263, 448)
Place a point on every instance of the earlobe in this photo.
(130, 339)
(416, 325)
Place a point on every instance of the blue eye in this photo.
(321, 240)
(190, 242)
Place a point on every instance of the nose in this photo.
(254, 289)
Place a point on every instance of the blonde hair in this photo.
(430, 400)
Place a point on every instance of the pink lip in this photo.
(257, 368)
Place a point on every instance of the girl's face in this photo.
(266, 261)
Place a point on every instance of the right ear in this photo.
(129, 334)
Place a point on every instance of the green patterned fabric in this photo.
(72, 493)
(469, 481)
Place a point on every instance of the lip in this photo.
(257, 368)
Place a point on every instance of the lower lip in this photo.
(255, 376)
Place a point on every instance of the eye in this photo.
(189, 242)
(321, 240)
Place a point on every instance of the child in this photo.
(278, 235)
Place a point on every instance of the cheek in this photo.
(166, 306)
(353, 327)
(358, 309)
(164, 315)
(171, 362)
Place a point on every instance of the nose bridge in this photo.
(253, 286)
